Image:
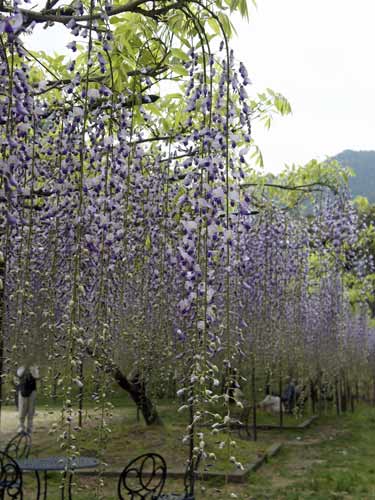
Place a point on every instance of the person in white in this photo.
(27, 375)
(271, 404)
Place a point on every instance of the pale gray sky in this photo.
(320, 55)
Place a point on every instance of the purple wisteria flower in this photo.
(11, 24)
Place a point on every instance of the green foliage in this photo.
(362, 203)
(298, 186)
(363, 165)
(240, 5)
(267, 104)
(363, 288)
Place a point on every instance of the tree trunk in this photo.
(136, 388)
(137, 391)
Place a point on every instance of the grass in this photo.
(334, 459)
(129, 438)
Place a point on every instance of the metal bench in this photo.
(10, 478)
(144, 479)
(19, 446)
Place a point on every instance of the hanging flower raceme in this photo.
(128, 246)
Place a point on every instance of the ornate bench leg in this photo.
(70, 485)
(45, 485)
(70, 476)
(38, 485)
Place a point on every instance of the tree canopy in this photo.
(135, 230)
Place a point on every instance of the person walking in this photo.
(27, 375)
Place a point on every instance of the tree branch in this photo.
(64, 15)
(307, 188)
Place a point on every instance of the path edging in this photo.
(234, 477)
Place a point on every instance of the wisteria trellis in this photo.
(126, 247)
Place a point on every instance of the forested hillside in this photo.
(363, 163)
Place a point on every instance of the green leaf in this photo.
(174, 96)
(180, 70)
(148, 242)
(267, 122)
(153, 108)
(214, 26)
(226, 25)
(179, 54)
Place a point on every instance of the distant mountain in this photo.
(363, 164)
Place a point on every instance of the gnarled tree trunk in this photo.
(136, 388)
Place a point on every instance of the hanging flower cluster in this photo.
(124, 245)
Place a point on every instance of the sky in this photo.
(320, 55)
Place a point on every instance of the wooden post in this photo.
(366, 391)
(312, 396)
(80, 395)
(190, 480)
(343, 394)
(337, 397)
(54, 386)
(321, 396)
(2, 321)
(351, 398)
(281, 415)
(254, 401)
